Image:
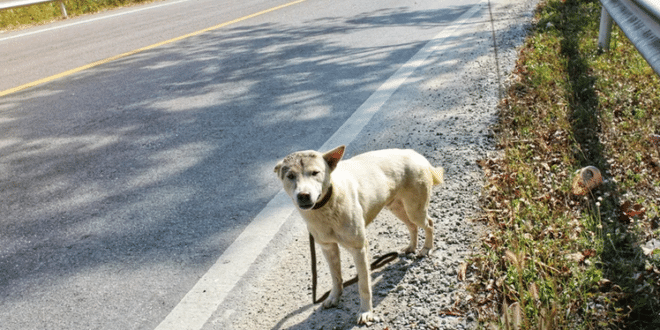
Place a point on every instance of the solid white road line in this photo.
(203, 299)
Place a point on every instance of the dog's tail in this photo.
(438, 174)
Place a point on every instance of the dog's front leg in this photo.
(331, 253)
(364, 285)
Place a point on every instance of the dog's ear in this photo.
(278, 167)
(333, 156)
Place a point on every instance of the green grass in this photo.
(17, 18)
(555, 260)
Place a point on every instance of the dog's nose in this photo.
(304, 199)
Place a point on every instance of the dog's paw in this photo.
(407, 251)
(424, 252)
(367, 318)
(331, 301)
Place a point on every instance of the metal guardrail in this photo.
(639, 20)
(25, 3)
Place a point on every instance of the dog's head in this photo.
(305, 175)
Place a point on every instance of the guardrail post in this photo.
(63, 9)
(605, 30)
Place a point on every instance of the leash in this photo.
(380, 262)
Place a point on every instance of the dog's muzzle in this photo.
(304, 201)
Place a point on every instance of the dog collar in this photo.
(324, 200)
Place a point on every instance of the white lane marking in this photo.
(98, 18)
(203, 299)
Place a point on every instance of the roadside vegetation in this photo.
(16, 18)
(554, 259)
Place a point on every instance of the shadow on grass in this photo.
(136, 175)
(621, 258)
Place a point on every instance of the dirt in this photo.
(446, 115)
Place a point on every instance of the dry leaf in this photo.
(637, 209)
(655, 139)
(589, 253)
(461, 272)
(647, 251)
(628, 210)
(451, 313)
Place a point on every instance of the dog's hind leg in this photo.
(396, 207)
(331, 253)
(428, 237)
(416, 209)
(422, 220)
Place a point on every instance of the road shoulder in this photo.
(444, 111)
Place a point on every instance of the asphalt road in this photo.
(123, 183)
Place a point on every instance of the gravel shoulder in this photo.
(444, 112)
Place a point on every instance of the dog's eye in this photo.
(315, 173)
(290, 176)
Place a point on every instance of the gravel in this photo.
(446, 116)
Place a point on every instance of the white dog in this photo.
(338, 199)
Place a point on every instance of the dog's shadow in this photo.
(344, 316)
